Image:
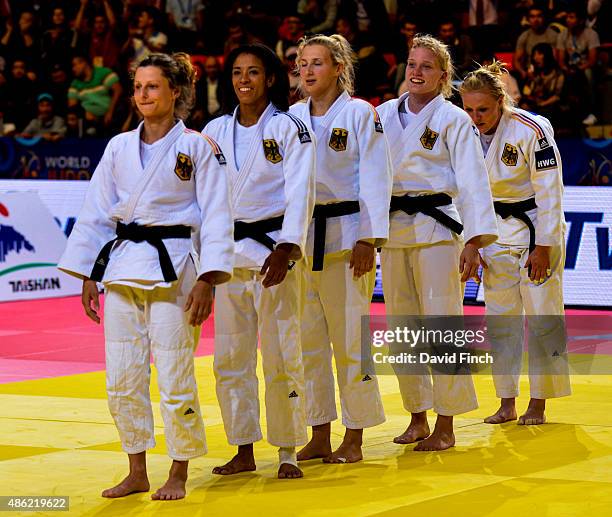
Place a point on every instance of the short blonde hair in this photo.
(488, 79)
(341, 54)
(440, 50)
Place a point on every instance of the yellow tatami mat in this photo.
(57, 439)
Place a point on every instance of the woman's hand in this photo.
(90, 299)
(538, 264)
(199, 302)
(276, 265)
(469, 261)
(362, 258)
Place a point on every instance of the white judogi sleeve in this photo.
(299, 172)
(94, 227)
(213, 196)
(375, 178)
(474, 200)
(547, 182)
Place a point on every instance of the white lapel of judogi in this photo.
(329, 117)
(158, 159)
(240, 176)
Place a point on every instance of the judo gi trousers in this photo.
(331, 324)
(244, 308)
(138, 322)
(509, 293)
(425, 280)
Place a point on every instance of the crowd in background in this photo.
(64, 65)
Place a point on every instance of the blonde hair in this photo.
(181, 74)
(341, 54)
(488, 78)
(440, 50)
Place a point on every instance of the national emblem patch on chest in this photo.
(272, 151)
(338, 139)
(510, 155)
(428, 138)
(184, 167)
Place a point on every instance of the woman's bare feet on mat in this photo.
(319, 445)
(442, 437)
(534, 414)
(289, 471)
(244, 461)
(417, 430)
(174, 487)
(349, 450)
(135, 481)
(505, 413)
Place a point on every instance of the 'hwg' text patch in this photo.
(545, 159)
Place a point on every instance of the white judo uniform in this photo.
(353, 164)
(524, 164)
(275, 178)
(182, 184)
(438, 152)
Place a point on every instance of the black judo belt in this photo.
(154, 235)
(427, 205)
(258, 230)
(519, 211)
(321, 214)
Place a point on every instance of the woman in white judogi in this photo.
(439, 174)
(271, 162)
(158, 192)
(525, 266)
(351, 219)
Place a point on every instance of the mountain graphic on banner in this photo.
(12, 240)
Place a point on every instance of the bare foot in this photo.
(417, 430)
(505, 413)
(534, 414)
(442, 437)
(349, 450)
(315, 449)
(174, 487)
(244, 461)
(319, 446)
(133, 483)
(289, 471)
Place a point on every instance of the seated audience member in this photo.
(577, 48)
(538, 32)
(185, 19)
(59, 40)
(22, 42)
(74, 123)
(542, 92)
(46, 125)
(97, 90)
(17, 95)
(319, 15)
(289, 33)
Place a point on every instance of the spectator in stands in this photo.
(59, 41)
(542, 93)
(483, 22)
(236, 35)
(408, 30)
(147, 39)
(58, 88)
(459, 46)
(207, 104)
(74, 123)
(319, 15)
(372, 66)
(23, 42)
(577, 52)
(104, 40)
(97, 90)
(289, 33)
(46, 125)
(538, 32)
(17, 95)
(510, 83)
(185, 19)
